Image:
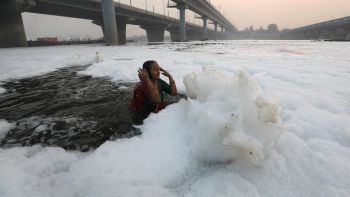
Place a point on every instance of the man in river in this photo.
(149, 92)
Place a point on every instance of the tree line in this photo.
(270, 32)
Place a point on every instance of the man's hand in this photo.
(143, 75)
(165, 73)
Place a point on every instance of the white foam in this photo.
(5, 127)
(32, 61)
(123, 88)
(233, 117)
(185, 150)
(2, 90)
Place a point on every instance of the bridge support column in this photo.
(223, 32)
(339, 34)
(205, 27)
(313, 35)
(231, 35)
(325, 34)
(308, 35)
(121, 29)
(174, 35)
(316, 35)
(109, 21)
(220, 36)
(155, 33)
(182, 9)
(300, 36)
(12, 32)
(216, 30)
(304, 36)
(211, 35)
(347, 37)
(228, 35)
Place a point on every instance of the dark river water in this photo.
(62, 108)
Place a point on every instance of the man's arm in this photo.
(173, 89)
(153, 92)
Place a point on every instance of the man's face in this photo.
(155, 71)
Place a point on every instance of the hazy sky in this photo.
(242, 13)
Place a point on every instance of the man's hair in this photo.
(148, 65)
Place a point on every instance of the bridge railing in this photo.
(151, 12)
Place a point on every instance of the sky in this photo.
(256, 13)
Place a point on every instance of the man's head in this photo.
(152, 69)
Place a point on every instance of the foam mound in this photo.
(230, 116)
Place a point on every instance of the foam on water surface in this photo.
(5, 127)
(201, 146)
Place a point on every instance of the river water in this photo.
(62, 108)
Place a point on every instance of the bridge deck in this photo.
(204, 8)
(91, 10)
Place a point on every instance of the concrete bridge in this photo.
(338, 29)
(206, 11)
(12, 30)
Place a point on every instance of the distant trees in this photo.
(272, 28)
(271, 32)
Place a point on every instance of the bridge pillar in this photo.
(220, 36)
(223, 32)
(12, 32)
(300, 36)
(306, 36)
(182, 9)
(216, 30)
(228, 35)
(303, 36)
(109, 21)
(325, 34)
(174, 34)
(314, 35)
(121, 29)
(155, 33)
(339, 34)
(211, 35)
(295, 36)
(205, 27)
(347, 37)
